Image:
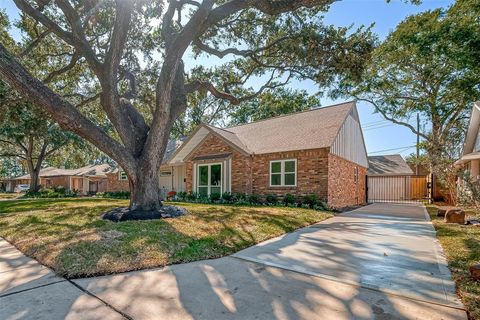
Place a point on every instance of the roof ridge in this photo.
(223, 129)
(289, 114)
(386, 155)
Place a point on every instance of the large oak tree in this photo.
(133, 53)
(429, 65)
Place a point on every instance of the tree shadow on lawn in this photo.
(147, 244)
(15, 206)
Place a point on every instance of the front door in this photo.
(209, 179)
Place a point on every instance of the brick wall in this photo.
(59, 181)
(312, 173)
(329, 177)
(343, 191)
(241, 164)
(114, 184)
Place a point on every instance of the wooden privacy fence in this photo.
(397, 188)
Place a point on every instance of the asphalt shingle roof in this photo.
(312, 129)
(98, 170)
(392, 164)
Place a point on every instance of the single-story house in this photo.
(320, 151)
(85, 180)
(172, 177)
(470, 160)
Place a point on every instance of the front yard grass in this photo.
(69, 236)
(462, 249)
(8, 195)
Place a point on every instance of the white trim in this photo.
(120, 175)
(282, 173)
(209, 186)
(230, 175)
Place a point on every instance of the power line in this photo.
(379, 127)
(393, 149)
(375, 124)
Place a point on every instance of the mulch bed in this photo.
(127, 214)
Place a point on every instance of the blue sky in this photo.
(379, 135)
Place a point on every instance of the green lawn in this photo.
(462, 248)
(10, 195)
(69, 236)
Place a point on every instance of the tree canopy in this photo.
(428, 65)
(131, 55)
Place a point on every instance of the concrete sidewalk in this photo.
(379, 262)
(29, 290)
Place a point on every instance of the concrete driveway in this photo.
(378, 262)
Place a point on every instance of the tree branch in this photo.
(235, 51)
(49, 78)
(384, 114)
(34, 43)
(65, 114)
(198, 85)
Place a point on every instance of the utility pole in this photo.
(417, 169)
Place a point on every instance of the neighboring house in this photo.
(172, 177)
(388, 165)
(470, 160)
(85, 180)
(321, 152)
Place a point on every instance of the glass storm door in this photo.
(209, 179)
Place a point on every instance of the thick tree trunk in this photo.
(34, 181)
(145, 189)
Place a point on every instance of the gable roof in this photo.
(393, 164)
(311, 129)
(172, 146)
(98, 170)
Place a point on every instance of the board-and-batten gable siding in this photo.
(476, 147)
(349, 142)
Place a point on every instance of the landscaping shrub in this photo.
(253, 199)
(59, 192)
(191, 196)
(227, 197)
(289, 199)
(117, 194)
(215, 196)
(182, 195)
(311, 200)
(271, 198)
(240, 197)
(323, 206)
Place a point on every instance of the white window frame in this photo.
(120, 176)
(282, 173)
(209, 186)
(166, 173)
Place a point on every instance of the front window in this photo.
(283, 173)
(209, 179)
(165, 173)
(122, 175)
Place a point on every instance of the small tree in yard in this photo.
(130, 54)
(27, 134)
(429, 66)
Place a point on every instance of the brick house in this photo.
(172, 177)
(321, 152)
(84, 180)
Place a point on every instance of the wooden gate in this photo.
(398, 188)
